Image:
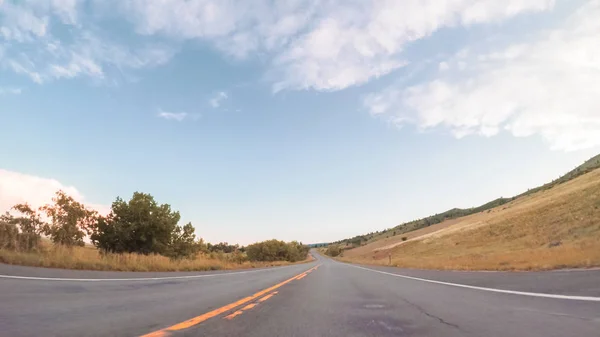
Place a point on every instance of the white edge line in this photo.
(135, 278)
(502, 291)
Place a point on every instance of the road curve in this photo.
(331, 299)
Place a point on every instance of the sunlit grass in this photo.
(555, 228)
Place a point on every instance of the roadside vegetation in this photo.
(333, 250)
(275, 250)
(556, 225)
(137, 235)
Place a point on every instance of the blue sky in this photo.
(294, 120)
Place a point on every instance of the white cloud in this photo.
(176, 116)
(77, 65)
(322, 45)
(18, 188)
(10, 91)
(309, 44)
(28, 47)
(215, 102)
(548, 87)
(67, 10)
(21, 25)
(23, 66)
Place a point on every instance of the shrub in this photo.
(404, 238)
(222, 247)
(237, 257)
(333, 250)
(9, 233)
(275, 250)
(21, 232)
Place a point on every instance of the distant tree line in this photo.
(139, 225)
(317, 245)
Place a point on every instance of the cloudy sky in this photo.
(300, 119)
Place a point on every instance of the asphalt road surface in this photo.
(321, 298)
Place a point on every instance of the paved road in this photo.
(333, 299)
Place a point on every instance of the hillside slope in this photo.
(588, 166)
(552, 227)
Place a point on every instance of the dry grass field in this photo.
(89, 258)
(554, 228)
(394, 241)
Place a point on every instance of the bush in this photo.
(223, 247)
(404, 238)
(275, 250)
(22, 232)
(9, 234)
(237, 257)
(333, 250)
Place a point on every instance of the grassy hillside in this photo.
(591, 164)
(554, 226)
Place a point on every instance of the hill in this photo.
(554, 226)
(588, 166)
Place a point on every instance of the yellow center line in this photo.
(199, 319)
(301, 277)
(249, 306)
(239, 312)
(267, 297)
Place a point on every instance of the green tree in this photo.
(68, 220)
(29, 224)
(139, 226)
(183, 242)
(9, 232)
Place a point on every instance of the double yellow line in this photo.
(199, 319)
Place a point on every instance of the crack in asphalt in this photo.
(423, 311)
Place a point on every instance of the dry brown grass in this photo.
(89, 258)
(514, 236)
(394, 241)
